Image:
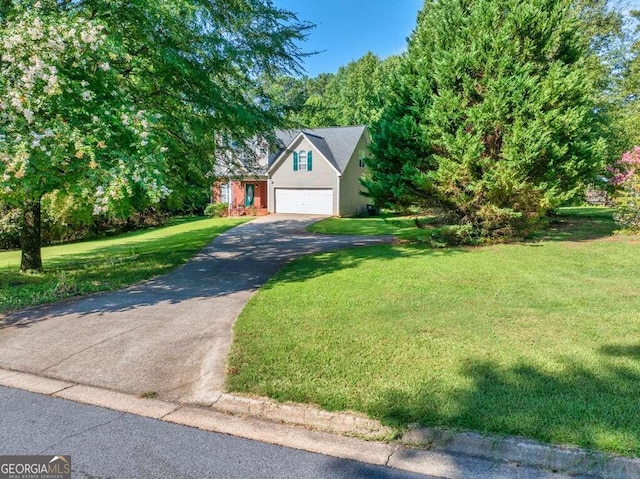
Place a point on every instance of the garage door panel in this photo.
(304, 201)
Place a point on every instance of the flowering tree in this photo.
(65, 123)
(625, 178)
(109, 100)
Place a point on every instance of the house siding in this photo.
(323, 175)
(351, 201)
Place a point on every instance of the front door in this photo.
(249, 195)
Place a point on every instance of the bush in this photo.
(10, 227)
(65, 219)
(625, 178)
(216, 209)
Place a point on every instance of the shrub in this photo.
(65, 219)
(625, 178)
(216, 209)
(10, 227)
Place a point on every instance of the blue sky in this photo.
(347, 29)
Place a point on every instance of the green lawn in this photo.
(539, 339)
(403, 227)
(105, 264)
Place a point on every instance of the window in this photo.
(361, 163)
(302, 160)
(224, 193)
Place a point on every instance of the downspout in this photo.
(338, 202)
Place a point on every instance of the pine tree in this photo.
(494, 119)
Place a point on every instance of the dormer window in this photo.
(302, 161)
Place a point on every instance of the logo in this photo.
(35, 467)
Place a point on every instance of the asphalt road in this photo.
(108, 444)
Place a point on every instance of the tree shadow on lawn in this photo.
(241, 260)
(578, 224)
(317, 265)
(593, 408)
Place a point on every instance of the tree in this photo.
(356, 90)
(354, 95)
(494, 119)
(629, 92)
(607, 30)
(111, 100)
(624, 177)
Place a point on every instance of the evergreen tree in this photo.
(494, 119)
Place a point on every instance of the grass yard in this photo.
(105, 264)
(403, 227)
(538, 339)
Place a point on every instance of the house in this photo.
(310, 171)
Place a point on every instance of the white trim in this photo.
(289, 149)
(306, 160)
(284, 153)
(337, 213)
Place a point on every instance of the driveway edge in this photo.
(423, 450)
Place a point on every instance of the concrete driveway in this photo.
(170, 335)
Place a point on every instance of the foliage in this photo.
(64, 219)
(106, 264)
(216, 209)
(625, 178)
(124, 103)
(628, 93)
(354, 95)
(65, 118)
(9, 227)
(492, 117)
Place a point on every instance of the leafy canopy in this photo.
(492, 117)
(111, 101)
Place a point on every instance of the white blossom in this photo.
(28, 115)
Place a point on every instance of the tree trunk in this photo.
(31, 240)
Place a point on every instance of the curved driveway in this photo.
(170, 335)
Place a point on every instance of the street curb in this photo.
(351, 424)
(526, 452)
(422, 450)
(516, 450)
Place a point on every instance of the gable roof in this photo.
(336, 144)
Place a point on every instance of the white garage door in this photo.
(311, 202)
